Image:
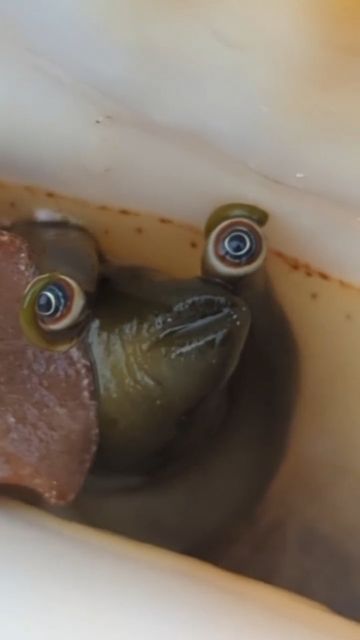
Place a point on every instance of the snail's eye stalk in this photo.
(235, 245)
(52, 309)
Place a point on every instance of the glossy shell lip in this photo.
(69, 581)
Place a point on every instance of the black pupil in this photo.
(240, 245)
(51, 301)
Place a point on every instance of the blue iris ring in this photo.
(52, 301)
(240, 245)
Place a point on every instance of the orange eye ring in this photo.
(52, 305)
(234, 248)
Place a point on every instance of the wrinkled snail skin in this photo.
(225, 475)
(160, 348)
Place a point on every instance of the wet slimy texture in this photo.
(224, 478)
(160, 348)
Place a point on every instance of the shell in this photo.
(107, 101)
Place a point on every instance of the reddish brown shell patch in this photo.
(48, 409)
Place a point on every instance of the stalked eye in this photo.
(234, 247)
(52, 305)
(59, 304)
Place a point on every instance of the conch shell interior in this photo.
(118, 109)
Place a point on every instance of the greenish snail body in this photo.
(193, 379)
(222, 478)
